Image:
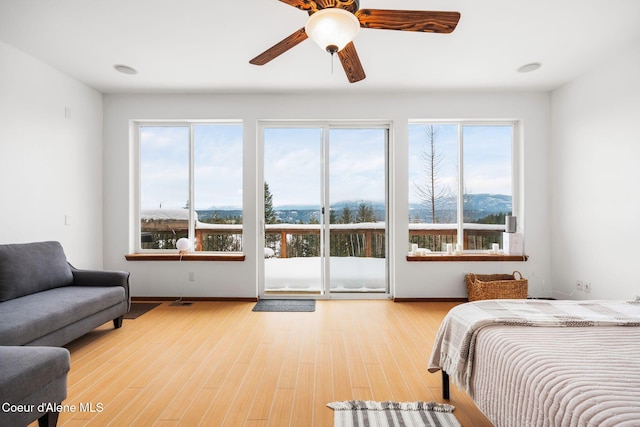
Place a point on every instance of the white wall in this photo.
(595, 177)
(238, 279)
(50, 165)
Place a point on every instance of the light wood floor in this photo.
(219, 363)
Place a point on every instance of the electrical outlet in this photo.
(579, 286)
(587, 287)
(192, 276)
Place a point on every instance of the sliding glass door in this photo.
(357, 199)
(293, 217)
(325, 210)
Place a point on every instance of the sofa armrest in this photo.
(102, 278)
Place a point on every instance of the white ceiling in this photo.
(206, 45)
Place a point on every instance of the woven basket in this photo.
(496, 286)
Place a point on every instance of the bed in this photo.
(544, 363)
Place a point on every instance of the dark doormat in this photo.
(285, 305)
(140, 308)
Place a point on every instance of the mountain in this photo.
(352, 204)
(476, 206)
(490, 203)
(207, 214)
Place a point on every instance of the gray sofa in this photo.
(46, 303)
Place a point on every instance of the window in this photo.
(190, 185)
(461, 184)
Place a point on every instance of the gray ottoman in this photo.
(33, 381)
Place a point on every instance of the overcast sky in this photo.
(293, 161)
(164, 153)
(487, 158)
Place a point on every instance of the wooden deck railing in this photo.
(303, 240)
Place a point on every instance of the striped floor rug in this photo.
(360, 413)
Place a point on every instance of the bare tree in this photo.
(432, 191)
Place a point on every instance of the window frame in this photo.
(136, 127)
(327, 126)
(516, 160)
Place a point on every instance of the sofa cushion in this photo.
(28, 268)
(33, 316)
(23, 370)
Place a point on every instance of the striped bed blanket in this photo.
(564, 377)
(454, 346)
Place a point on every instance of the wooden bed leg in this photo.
(445, 385)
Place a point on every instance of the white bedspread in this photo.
(454, 347)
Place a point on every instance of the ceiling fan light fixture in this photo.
(332, 29)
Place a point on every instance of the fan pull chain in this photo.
(332, 63)
(332, 48)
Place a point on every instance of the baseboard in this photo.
(430, 300)
(255, 299)
(194, 299)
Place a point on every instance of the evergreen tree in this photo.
(269, 213)
(313, 240)
(365, 213)
(332, 216)
(498, 218)
(346, 217)
(271, 240)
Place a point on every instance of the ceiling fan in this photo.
(343, 19)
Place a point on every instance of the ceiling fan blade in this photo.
(280, 48)
(409, 20)
(313, 6)
(351, 63)
(300, 4)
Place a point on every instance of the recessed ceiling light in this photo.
(125, 69)
(527, 68)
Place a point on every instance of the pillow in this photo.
(27, 268)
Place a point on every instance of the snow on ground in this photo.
(348, 274)
(166, 214)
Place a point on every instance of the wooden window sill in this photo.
(187, 257)
(467, 257)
